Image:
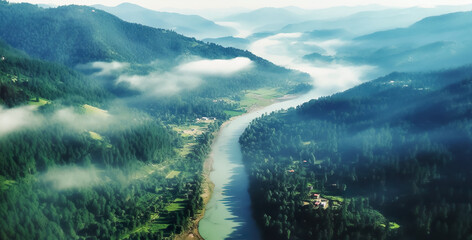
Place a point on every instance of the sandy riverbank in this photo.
(192, 233)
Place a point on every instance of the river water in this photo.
(228, 214)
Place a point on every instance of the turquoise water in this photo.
(228, 214)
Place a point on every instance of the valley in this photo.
(134, 122)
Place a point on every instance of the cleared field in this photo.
(393, 225)
(176, 205)
(172, 174)
(334, 198)
(234, 113)
(5, 183)
(260, 97)
(94, 110)
(96, 136)
(38, 102)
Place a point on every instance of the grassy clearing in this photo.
(393, 225)
(190, 132)
(260, 97)
(94, 110)
(234, 113)
(38, 102)
(172, 174)
(176, 205)
(96, 136)
(5, 183)
(335, 198)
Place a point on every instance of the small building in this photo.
(316, 196)
(3, 58)
(291, 170)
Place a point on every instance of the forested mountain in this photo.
(388, 159)
(435, 42)
(188, 25)
(23, 78)
(368, 21)
(273, 19)
(111, 148)
(79, 34)
(264, 19)
(84, 36)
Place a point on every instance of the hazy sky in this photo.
(251, 4)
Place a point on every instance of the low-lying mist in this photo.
(14, 119)
(288, 49)
(157, 80)
(70, 177)
(77, 177)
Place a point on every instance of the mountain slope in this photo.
(447, 27)
(83, 34)
(442, 41)
(264, 19)
(188, 25)
(23, 78)
(379, 157)
(365, 22)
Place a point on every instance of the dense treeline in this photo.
(112, 207)
(392, 151)
(111, 149)
(33, 150)
(23, 78)
(129, 176)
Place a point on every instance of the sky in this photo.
(251, 4)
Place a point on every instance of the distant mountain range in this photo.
(435, 42)
(274, 19)
(188, 25)
(365, 22)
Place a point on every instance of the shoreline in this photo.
(191, 232)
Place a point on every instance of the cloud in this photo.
(91, 120)
(216, 67)
(26, 117)
(288, 50)
(14, 119)
(185, 76)
(63, 178)
(161, 84)
(104, 68)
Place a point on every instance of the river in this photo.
(228, 214)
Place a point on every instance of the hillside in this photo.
(84, 34)
(105, 125)
(435, 42)
(379, 157)
(188, 25)
(23, 78)
(367, 21)
(138, 63)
